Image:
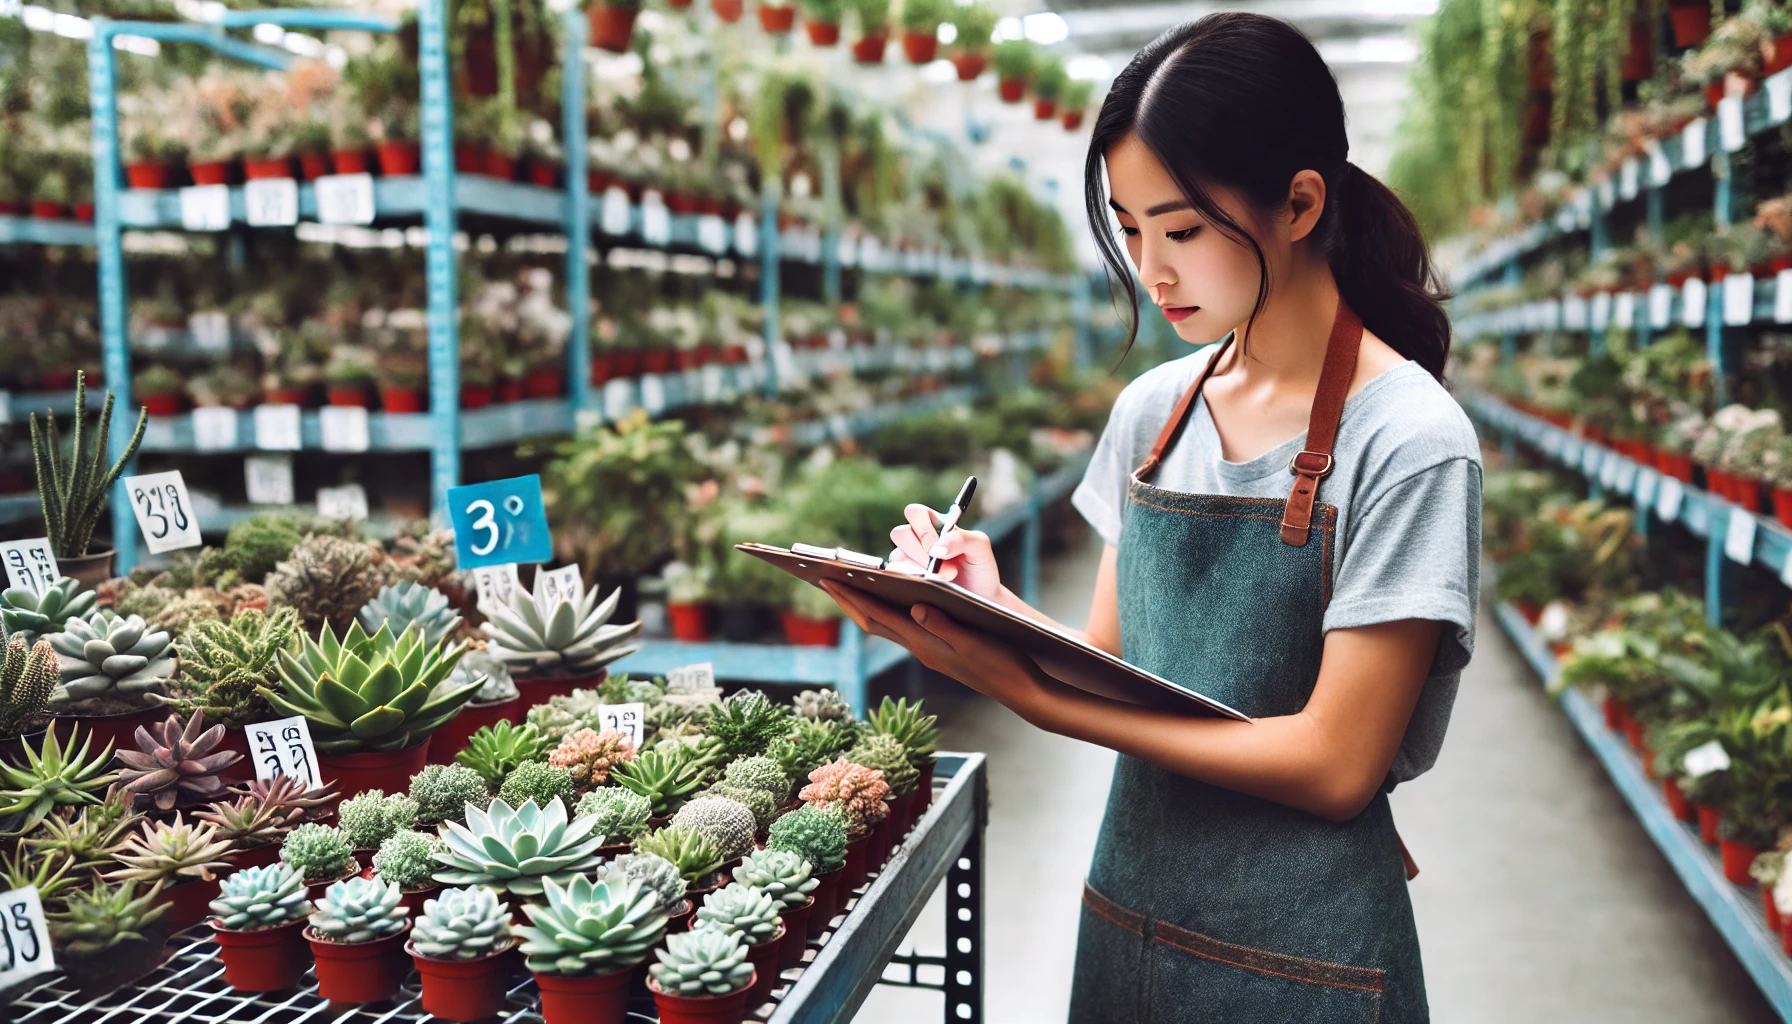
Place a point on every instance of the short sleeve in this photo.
(1102, 493)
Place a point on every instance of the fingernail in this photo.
(939, 551)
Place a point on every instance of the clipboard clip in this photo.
(838, 555)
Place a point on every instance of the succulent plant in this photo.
(536, 637)
(495, 750)
(757, 801)
(565, 714)
(759, 772)
(28, 674)
(49, 874)
(727, 823)
(621, 813)
(695, 854)
(372, 816)
(809, 745)
(261, 542)
(918, 733)
(223, 663)
(88, 836)
(537, 781)
(514, 849)
(94, 920)
(56, 776)
(176, 762)
(887, 754)
(73, 493)
(28, 616)
(703, 962)
(407, 859)
(111, 656)
(589, 755)
(814, 834)
(747, 912)
(264, 812)
(782, 874)
(359, 910)
(665, 776)
(461, 924)
(856, 790)
(407, 604)
(171, 852)
(653, 871)
(443, 791)
(321, 853)
(476, 663)
(591, 927)
(619, 688)
(747, 722)
(327, 579)
(824, 705)
(367, 693)
(261, 897)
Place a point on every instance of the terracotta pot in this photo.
(870, 49)
(510, 389)
(1692, 21)
(822, 33)
(213, 172)
(161, 405)
(360, 972)
(544, 383)
(48, 209)
(1012, 90)
(537, 691)
(475, 396)
(469, 158)
(500, 166)
(116, 729)
(919, 48)
(314, 165)
(729, 11)
(1770, 910)
(545, 173)
(283, 396)
(690, 622)
(91, 569)
(1677, 802)
(657, 360)
(682, 915)
(1044, 110)
(777, 20)
(1737, 856)
(452, 737)
(262, 959)
(147, 175)
(387, 770)
(347, 395)
(1782, 56)
(611, 27)
(597, 999)
(272, 167)
(189, 903)
(1639, 59)
(1708, 819)
(970, 65)
(399, 158)
(464, 990)
(352, 161)
(1073, 119)
(807, 632)
(764, 958)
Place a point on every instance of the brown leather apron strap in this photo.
(1314, 462)
(1412, 866)
(1179, 416)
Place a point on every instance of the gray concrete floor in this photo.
(1540, 898)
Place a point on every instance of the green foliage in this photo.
(537, 781)
(319, 852)
(809, 745)
(407, 859)
(887, 754)
(94, 920)
(759, 772)
(758, 801)
(26, 615)
(170, 852)
(52, 777)
(666, 776)
(443, 791)
(176, 761)
(360, 910)
(494, 751)
(904, 722)
(814, 834)
(462, 924)
(976, 24)
(261, 897)
(515, 849)
(1014, 60)
(824, 705)
(566, 637)
(747, 722)
(28, 674)
(621, 813)
(261, 542)
(924, 15)
(781, 874)
(749, 913)
(86, 838)
(74, 493)
(327, 579)
(693, 853)
(728, 823)
(592, 927)
(618, 490)
(222, 665)
(371, 817)
(409, 603)
(655, 872)
(704, 962)
(110, 656)
(47, 873)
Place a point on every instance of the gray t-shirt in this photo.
(1406, 480)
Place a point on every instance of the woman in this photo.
(1321, 582)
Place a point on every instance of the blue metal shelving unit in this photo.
(38, 231)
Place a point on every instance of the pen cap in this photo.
(965, 492)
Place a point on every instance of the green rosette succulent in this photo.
(360, 910)
(496, 750)
(665, 775)
(111, 656)
(28, 616)
(782, 874)
(749, 913)
(261, 897)
(703, 962)
(52, 777)
(695, 854)
(94, 920)
(537, 638)
(462, 924)
(813, 833)
(517, 849)
(591, 927)
(409, 603)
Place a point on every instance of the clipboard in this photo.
(1058, 654)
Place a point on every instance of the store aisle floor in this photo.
(1540, 897)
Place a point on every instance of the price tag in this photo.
(619, 398)
(1661, 304)
(1646, 481)
(1592, 458)
(5, 406)
(346, 502)
(271, 202)
(1729, 123)
(1602, 310)
(268, 479)
(205, 207)
(1625, 480)
(712, 233)
(27, 936)
(1692, 302)
(656, 221)
(1628, 176)
(500, 522)
(30, 564)
(615, 216)
(1570, 450)
(164, 511)
(1608, 471)
(1667, 499)
(1739, 298)
(1786, 569)
(1782, 297)
(344, 428)
(1660, 170)
(214, 428)
(283, 747)
(495, 584)
(653, 393)
(344, 198)
(624, 718)
(746, 235)
(555, 585)
(210, 330)
(1739, 537)
(1704, 759)
(1608, 193)
(277, 428)
(1574, 314)
(697, 678)
(1624, 310)
(1692, 144)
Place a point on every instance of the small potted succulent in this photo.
(1049, 82)
(858, 793)
(407, 860)
(585, 943)
(516, 850)
(256, 920)
(371, 817)
(920, 20)
(1014, 61)
(660, 875)
(812, 620)
(79, 487)
(976, 25)
(687, 602)
(404, 389)
(787, 878)
(257, 820)
(110, 667)
(819, 837)
(730, 824)
(1071, 108)
(752, 915)
(886, 754)
(821, 21)
(588, 756)
(917, 732)
(444, 792)
(321, 854)
(349, 381)
(874, 30)
(159, 390)
(175, 763)
(108, 936)
(621, 817)
(51, 778)
(459, 942)
(696, 856)
(180, 859)
(756, 771)
(496, 750)
(357, 934)
(665, 774)
(498, 700)
(702, 978)
(555, 645)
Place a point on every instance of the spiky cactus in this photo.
(743, 910)
(407, 604)
(462, 924)
(589, 755)
(542, 638)
(653, 871)
(74, 493)
(28, 673)
(176, 762)
(359, 910)
(703, 962)
(261, 897)
(782, 874)
(728, 824)
(591, 927)
(112, 656)
(222, 663)
(327, 579)
(621, 813)
(747, 722)
(29, 616)
(856, 790)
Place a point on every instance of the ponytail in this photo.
(1199, 97)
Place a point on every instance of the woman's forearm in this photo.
(1011, 601)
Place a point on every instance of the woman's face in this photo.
(1204, 282)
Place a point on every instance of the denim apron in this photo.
(1204, 904)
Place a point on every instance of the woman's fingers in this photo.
(909, 544)
(924, 521)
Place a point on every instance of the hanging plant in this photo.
(778, 19)
(1049, 82)
(821, 20)
(612, 23)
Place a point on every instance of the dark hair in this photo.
(1245, 101)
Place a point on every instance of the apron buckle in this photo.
(1297, 466)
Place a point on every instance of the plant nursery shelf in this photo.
(1733, 909)
(21, 404)
(1560, 314)
(18, 508)
(39, 231)
(838, 971)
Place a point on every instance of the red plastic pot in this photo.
(679, 920)
(970, 65)
(211, 172)
(399, 157)
(162, 405)
(500, 166)
(1770, 909)
(676, 1009)
(1782, 506)
(255, 169)
(926, 784)
(796, 933)
(1677, 802)
(1639, 59)
(254, 856)
(1786, 933)
(1737, 856)
(729, 11)
(283, 396)
(1782, 56)
(764, 958)
(464, 990)
(545, 173)
(352, 161)
(544, 383)
(116, 730)
(189, 903)
(877, 850)
(822, 33)
(1073, 119)
(537, 691)
(1633, 732)
(262, 959)
(1012, 90)
(397, 399)
(807, 632)
(347, 395)
(1746, 492)
(852, 873)
(147, 175)
(1044, 110)
(1708, 819)
(84, 212)
(690, 622)
(469, 158)
(475, 396)
(510, 389)
(603, 367)
(656, 360)
(827, 901)
(451, 738)
(870, 49)
(11, 208)
(919, 48)
(1692, 21)
(314, 165)
(386, 770)
(1614, 713)
(360, 972)
(777, 19)
(597, 999)
(48, 209)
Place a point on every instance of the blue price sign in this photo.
(500, 522)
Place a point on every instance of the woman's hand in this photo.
(969, 560)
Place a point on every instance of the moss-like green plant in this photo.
(1014, 60)
(372, 816)
(261, 542)
(222, 665)
(591, 927)
(462, 924)
(74, 493)
(824, 705)
(742, 910)
(621, 813)
(814, 834)
(809, 745)
(407, 859)
(762, 773)
(728, 824)
(758, 801)
(55, 776)
(319, 852)
(782, 874)
(494, 751)
(443, 791)
(704, 962)
(653, 871)
(359, 910)
(537, 781)
(747, 722)
(261, 897)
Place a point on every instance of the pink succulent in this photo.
(590, 755)
(859, 791)
(176, 760)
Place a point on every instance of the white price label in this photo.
(27, 936)
(344, 198)
(1646, 481)
(1739, 537)
(1570, 451)
(624, 718)
(495, 584)
(1608, 471)
(344, 428)
(1786, 569)
(653, 393)
(205, 207)
(555, 585)
(268, 479)
(1625, 480)
(1667, 499)
(656, 221)
(5, 406)
(1628, 176)
(1729, 123)
(619, 399)
(1704, 759)
(1592, 459)
(1608, 193)
(1739, 298)
(346, 502)
(283, 747)
(1661, 304)
(1692, 144)
(30, 564)
(615, 216)
(1660, 170)
(214, 428)
(210, 330)
(277, 428)
(712, 233)
(1779, 96)
(746, 235)
(1602, 310)
(1782, 297)
(1624, 310)
(1574, 314)
(697, 678)
(271, 202)
(164, 511)
(1692, 302)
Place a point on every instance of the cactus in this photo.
(515, 849)
(621, 813)
(327, 579)
(904, 722)
(694, 854)
(87, 837)
(887, 754)
(261, 542)
(443, 792)
(589, 755)
(743, 910)
(758, 801)
(223, 663)
(566, 638)
(462, 924)
(56, 776)
(94, 920)
(28, 674)
(176, 762)
(728, 824)
(28, 616)
(320, 852)
(782, 874)
(665, 776)
(759, 773)
(407, 604)
(407, 859)
(654, 872)
(371, 817)
(747, 722)
(591, 927)
(703, 962)
(856, 790)
(261, 897)
(537, 781)
(171, 853)
(376, 692)
(824, 705)
(809, 745)
(110, 656)
(495, 750)
(816, 835)
(74, 493)
(359, 910)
